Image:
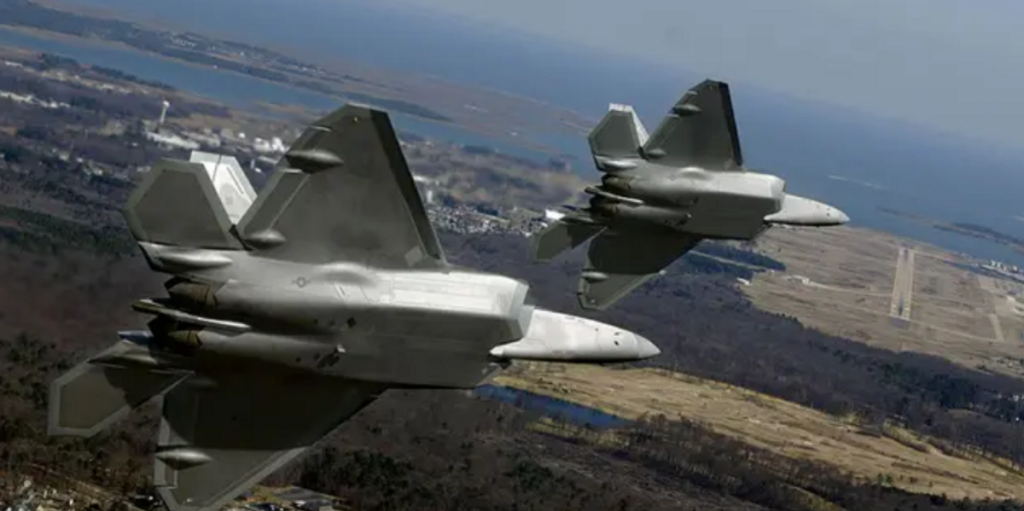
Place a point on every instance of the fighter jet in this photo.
(662, 194)
(289, 311)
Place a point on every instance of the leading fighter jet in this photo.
(289, 311)
(663, 193)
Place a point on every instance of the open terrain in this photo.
(904, 459)
(827, 423)
(845, 281)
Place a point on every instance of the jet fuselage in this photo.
(723, 205)
(435, 328)
(289, 311)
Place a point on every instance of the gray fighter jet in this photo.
(662, 194)
(289, 311)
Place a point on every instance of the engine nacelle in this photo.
(668, 217)
(681, 191)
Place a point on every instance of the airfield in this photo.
(893, 293)
(863, 285)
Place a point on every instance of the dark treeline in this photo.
(444, 450)
(728, 251)
(706, 327)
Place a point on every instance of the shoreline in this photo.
(255, 109)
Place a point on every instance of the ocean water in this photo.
(235, 89)
(906, 168)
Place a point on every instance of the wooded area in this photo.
(445, 450)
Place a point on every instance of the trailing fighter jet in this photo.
(289, 311)
(661, 194)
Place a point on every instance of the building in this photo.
(172, 140)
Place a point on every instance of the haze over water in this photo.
(907, 168)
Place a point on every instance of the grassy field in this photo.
(899, 457)
(841, 281)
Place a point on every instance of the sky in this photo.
(951, 65)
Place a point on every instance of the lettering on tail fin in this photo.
(178, 204)
(617, 139)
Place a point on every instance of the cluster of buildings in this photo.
(29, 99)
(1007, 271)
(261, 150)
(263, 153)
(289, 499)
(26, 495)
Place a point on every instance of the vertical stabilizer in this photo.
(638, 126)
(177, 204)
(617, 138)
(699, 130)
(233, 188)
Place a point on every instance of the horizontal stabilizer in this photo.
(221, 434)
(177, 204)
(618, 136)
(92, 396)
(699, 131)
(561, 236)
(618, 262)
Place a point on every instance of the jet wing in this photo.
(561, 236)
(220, 437)
(699, 131)
(619, 262)
(343, 192)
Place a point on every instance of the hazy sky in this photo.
(956, 65)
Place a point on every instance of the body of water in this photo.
(910, 169)
(551, 407)
(234, 89)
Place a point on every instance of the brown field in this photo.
(849, 292)
(914, 463)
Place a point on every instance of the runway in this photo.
(903, 285)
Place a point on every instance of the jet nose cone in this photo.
(837, 216)
(797, 210)
(645, 348)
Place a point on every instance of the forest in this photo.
(70, 271)
(446, 450)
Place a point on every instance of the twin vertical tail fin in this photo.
(617, 139)
(699, 130)
(191, 204)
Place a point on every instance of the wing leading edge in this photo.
(619, 262)
(343, 192)
(219, 438)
